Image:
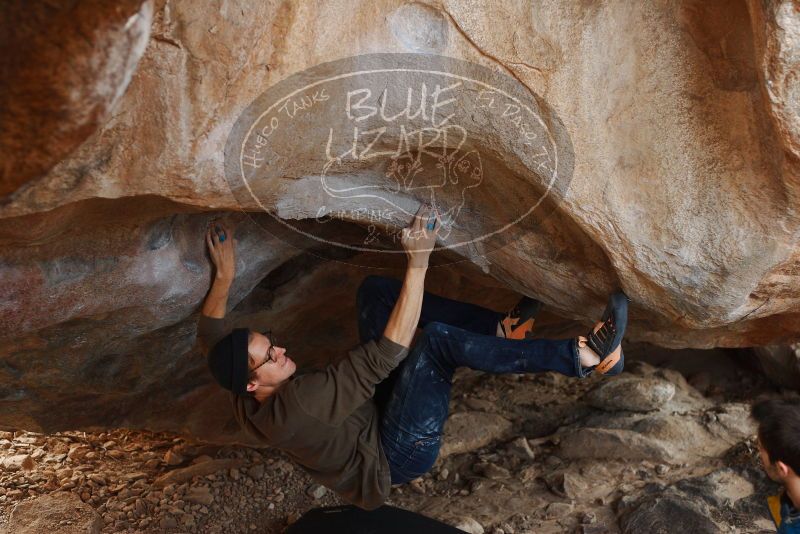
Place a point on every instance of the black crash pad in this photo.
(353, 520)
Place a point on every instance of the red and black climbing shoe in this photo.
(518, 324)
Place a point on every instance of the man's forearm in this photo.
(405, 315)
(216, 302)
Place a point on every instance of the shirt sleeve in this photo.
(332, 394)
(210, 331)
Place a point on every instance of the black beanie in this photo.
(228, 361)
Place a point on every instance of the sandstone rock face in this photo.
(680, 134)
(69, 67)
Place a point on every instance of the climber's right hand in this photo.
(419, 237)
(219, 238)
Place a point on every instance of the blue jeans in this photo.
(414, 399)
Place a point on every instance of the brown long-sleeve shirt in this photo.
(325, 420)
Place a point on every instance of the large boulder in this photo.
(668, 436)
(676, 140)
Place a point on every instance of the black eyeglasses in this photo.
(270, 351)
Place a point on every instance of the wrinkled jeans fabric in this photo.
(413, 401)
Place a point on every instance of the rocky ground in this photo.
(647, 451)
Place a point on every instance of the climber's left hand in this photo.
(219, 239)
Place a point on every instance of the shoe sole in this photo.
(618, 309)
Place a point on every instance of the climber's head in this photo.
(250, 362)
(779, 437)
(267, 362)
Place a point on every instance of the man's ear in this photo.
(783, 469)
(252, 386)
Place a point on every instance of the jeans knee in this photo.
(435, 328)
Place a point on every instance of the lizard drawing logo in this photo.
(441, 176)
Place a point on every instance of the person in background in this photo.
(779, 448)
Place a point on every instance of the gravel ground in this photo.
(118, 473)
(512, 481)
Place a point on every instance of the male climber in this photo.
(328, 421)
